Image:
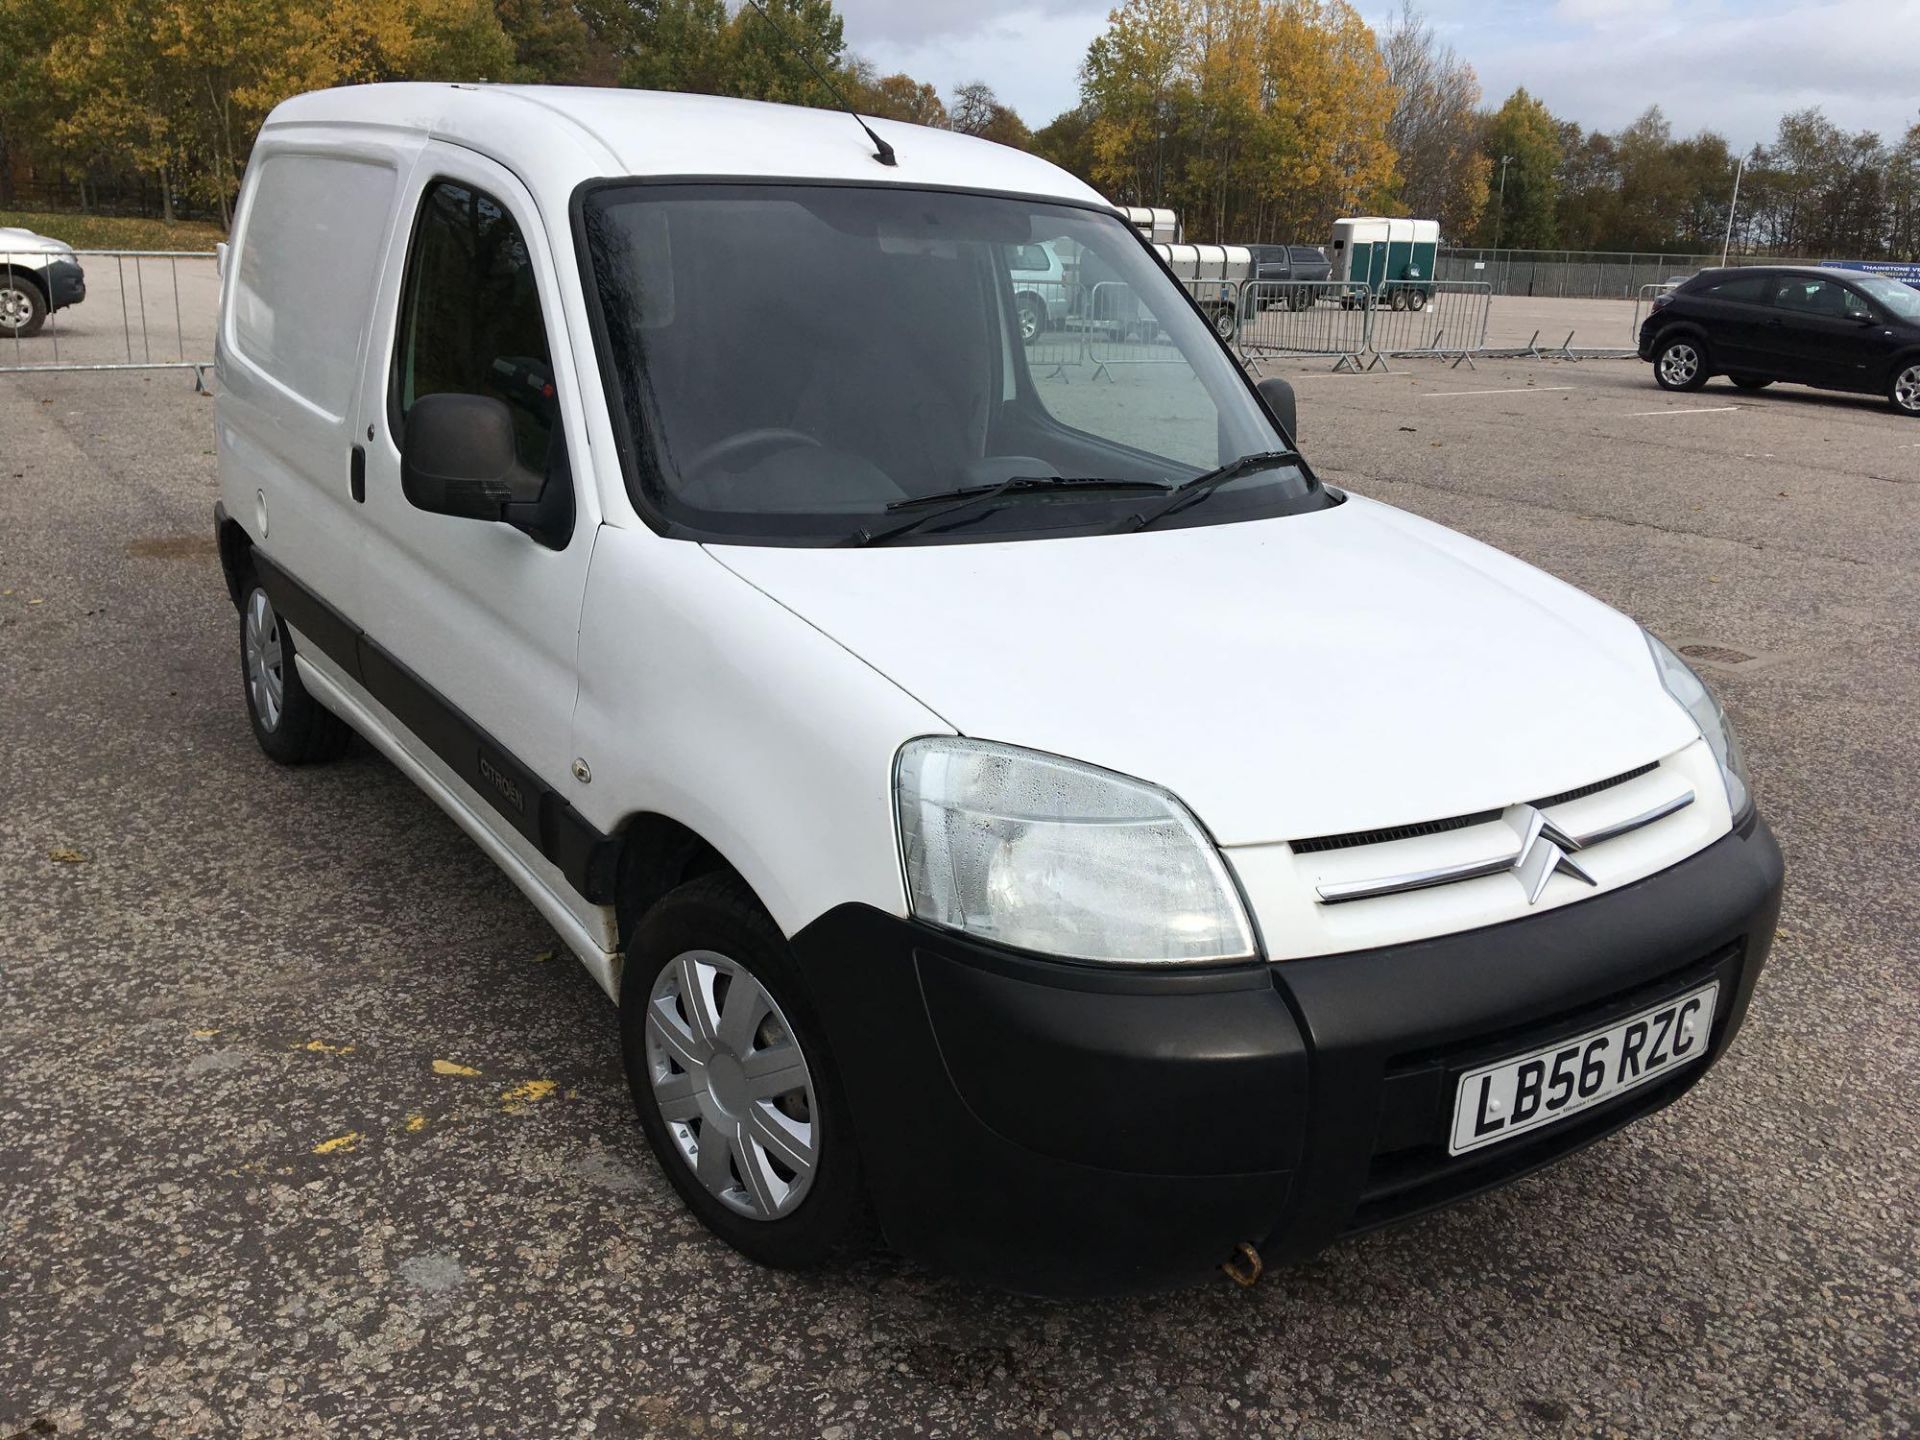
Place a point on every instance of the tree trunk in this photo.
(166, 197)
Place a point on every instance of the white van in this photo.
(1034, 811)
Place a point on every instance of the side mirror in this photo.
(1278, 397)
(458, 457)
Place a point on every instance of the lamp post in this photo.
(1727, 244)
(1500, 215)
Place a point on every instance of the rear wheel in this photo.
(292, 727)
(1399, 300)
(1680, 364)
(731, 1076)
(1224, 322)
(1416, 300)
(23, 309)
(1301, 299)
(1751, 382)
(1904, 392)
(1033, 318)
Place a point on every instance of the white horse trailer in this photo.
(1215, 275)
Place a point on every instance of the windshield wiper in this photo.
(948, 503)
(1191, 492)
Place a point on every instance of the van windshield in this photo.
(801, 364)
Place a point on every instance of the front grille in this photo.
(1412, 1172)
(1594, 789)
(1392, 832)
(1355, 838)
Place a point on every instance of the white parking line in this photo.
(1707, 410)
(1523, 390)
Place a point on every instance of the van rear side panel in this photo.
(313, 228)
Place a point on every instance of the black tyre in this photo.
(1903, 391)
(1301, 299)
(1398, 301)
(1224, 322)
(733, 1081)
(1033, 318)
(1680, 363)
(1416, 300)
(23, 309)
(291, 726)
(1750, 382)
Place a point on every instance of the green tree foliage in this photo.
(1523, 139)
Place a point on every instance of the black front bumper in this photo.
(66, 284)
(1063, 1129)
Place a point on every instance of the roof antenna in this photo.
(882, 151)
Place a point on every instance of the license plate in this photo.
(1512, 1097)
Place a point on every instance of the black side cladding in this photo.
(587, 858)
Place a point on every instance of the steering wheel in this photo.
(768, 437)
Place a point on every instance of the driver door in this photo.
(481, 614)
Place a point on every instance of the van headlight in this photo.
(1694, 697)
(1061, 858)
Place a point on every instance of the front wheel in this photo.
(22, 309)
(1904, 392)
(732, 1079)
(1417, 300)
(291, 726)
(1679, 364)
(1224, 323)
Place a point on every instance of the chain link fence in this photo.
(1579, 274)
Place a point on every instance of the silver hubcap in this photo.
(732, 1085)
(15, 309)
(1906, 390)
(1679, 364)
(1029, 322)
(266, 660)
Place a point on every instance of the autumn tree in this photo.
(898, 97)
(1435, 128)
(976, 110)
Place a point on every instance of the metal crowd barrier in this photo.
(142, 291)
(1444, 318)
(1303, 317)
(1643, 299)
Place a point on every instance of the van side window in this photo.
(470, 320)
(309, 259)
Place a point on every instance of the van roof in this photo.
(554, 136)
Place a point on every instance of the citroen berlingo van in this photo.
(1021, 810)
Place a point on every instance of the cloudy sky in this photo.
(1720, 64)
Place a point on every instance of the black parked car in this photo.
(1274, 265)
(1813, 326)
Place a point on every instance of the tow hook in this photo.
(1247, 1274)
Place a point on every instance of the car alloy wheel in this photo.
(1679, 363)
(16, 309)
(732, 1085)
(1906, 390)
(266, 660)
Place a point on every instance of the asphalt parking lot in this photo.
(304, 1130)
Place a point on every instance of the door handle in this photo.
(357, 474)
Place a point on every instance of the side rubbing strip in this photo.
(580, 852)
(325, 626)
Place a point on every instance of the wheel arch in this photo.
(236, 552)
(14, 274)
(656, 855)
